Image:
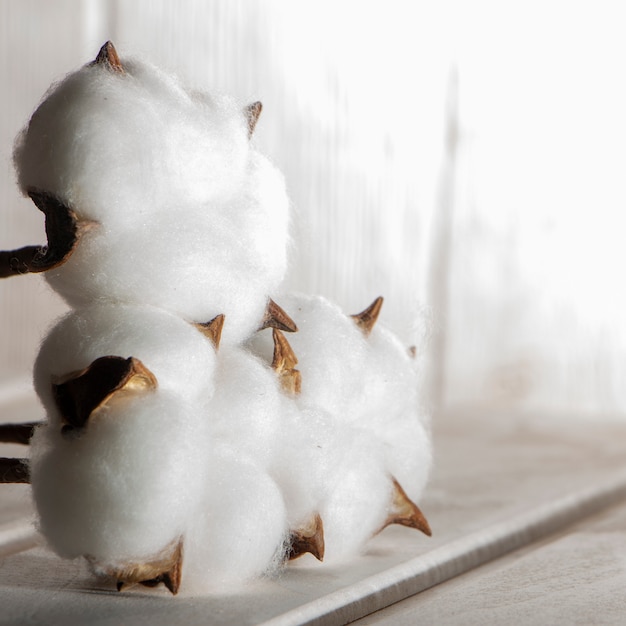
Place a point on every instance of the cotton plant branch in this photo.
(18, 433)
(14, 471)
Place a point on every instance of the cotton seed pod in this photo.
(355, 373)
(189, 216)
(118, 469)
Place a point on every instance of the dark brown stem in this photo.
(18, 433)
(14, 471)
(15, 262)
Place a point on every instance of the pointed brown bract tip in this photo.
(14, 471)
(109, 58)
(366, 319)
(403, 511)
(309, 538)
(252, 113)
(412, 351)
(284, 363)
(275, 317)
(213, 329)
(166, 568)
(81, 393)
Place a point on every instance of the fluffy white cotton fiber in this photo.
(161, 450)
(125, 485)
(190, 217)
(337, 472)
(369, 381)
(241, 529)
(186, 460)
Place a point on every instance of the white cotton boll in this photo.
(177, 354)
(190, 218)
(124, 488)
(364, 385)
(240, 531)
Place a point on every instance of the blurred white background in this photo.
(463, 159)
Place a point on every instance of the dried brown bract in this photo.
(309, 538)
(253, 112)
(166, 568)
(284, 363)
(14, 471)
(212, 329)
(82, 393)
(275, 317)
(366, 319)
(405, 512)
(108, 57)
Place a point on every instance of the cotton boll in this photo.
(189, 217)
(176, 353)
(364, 384)
(121, 488)
(240, 531)
(124, 489)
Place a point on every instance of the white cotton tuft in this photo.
(123, 487)
(198, 448)
(190, 217)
